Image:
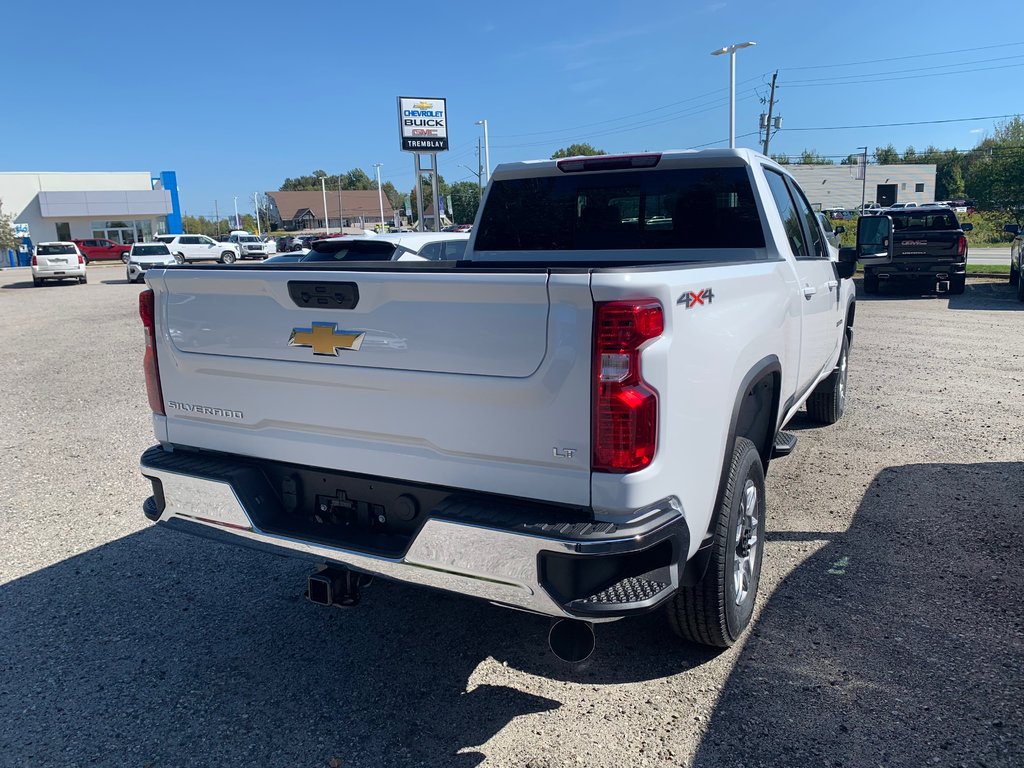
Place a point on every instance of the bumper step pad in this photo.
(635, 589)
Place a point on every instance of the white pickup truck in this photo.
(574, 419)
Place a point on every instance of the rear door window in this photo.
(790, 217)
(681, 208)
(55, 250)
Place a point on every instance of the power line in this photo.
(895, 125)
(915, 69)
(903, 58)
(906, 77)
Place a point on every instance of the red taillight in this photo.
(961, 248)
(625, 421)
(80, 259)
(34, 262)
(149, 363)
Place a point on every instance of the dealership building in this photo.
(123, 206)
(837, 186)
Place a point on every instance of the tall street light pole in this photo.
(731, 50)
(238, 224)
(487, 152)
(380, 195)
(323, 191)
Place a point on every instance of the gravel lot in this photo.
(889, 628)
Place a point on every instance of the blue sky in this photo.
(237, 96)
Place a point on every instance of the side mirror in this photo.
(840, 229)
(967, 227)
(847, 263)
(874, 240)
(1013, 229)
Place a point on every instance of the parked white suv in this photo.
(187, 248)
(144, 256)
(57, 261)
(249, 246)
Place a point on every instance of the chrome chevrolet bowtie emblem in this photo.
(325, 338)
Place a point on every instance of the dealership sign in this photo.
(424, 124)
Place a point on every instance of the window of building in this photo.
(903, 185)
(63, 230)
(125, 232)
(919, 187)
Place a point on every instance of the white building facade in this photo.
(125, 207)
(836, 186)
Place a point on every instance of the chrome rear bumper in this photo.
(537, 573)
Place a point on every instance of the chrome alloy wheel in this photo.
(746, 544)
(842, 378)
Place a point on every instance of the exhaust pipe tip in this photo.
(571, 641)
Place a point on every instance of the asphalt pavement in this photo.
(889, 628)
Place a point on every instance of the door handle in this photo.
(833, 284)
(809, 290)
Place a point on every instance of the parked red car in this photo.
(98, 248)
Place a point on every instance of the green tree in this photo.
(887, 155)
(357, 178)
(428, 193)
(576, 150)
(392, 194)
(781, 159)
(465, 201)
(811, 157)
(851, 159)
(996, 176)
(7, 238)
(910, 155)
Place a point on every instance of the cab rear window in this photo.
(691, 208)
(351, 250)
(151, 250)
(924, 221)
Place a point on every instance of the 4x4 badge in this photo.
(695, 299)
(325, 339)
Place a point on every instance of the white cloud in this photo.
(976, 130)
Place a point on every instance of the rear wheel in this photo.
(124, 257)
(180, 258)
(36, 282)
(1014, 275)
(828, 400)
(228, 257)
(957, 284)
(1020, 290)
(83, 279)
(716, 610)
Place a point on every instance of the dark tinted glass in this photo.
(788, 212)
(54, 250)
(632, 210)
(933, 220)
(151, 250)
(354, 250)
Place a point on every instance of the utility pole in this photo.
(380, 195)
(323, 191)
(341, 213)
(771, 106)
(256, 203)
(216, 213)
(238, 224)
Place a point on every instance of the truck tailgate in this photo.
(471, 380)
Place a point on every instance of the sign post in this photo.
(423, 127)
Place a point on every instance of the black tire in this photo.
(713, 611)
(36, 282)
(228, 257)
(870, 283)
(957, 284)
(1020, 290)
(1014, 275)
(828, 400)
(180, 258)
(83, 280)
(124, 258)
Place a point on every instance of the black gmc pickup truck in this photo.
(928, 242)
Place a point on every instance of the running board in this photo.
(785, 442)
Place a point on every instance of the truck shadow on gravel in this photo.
(977, 295)
(899, 642)
(161, 649)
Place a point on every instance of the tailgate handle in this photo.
(314, 294)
